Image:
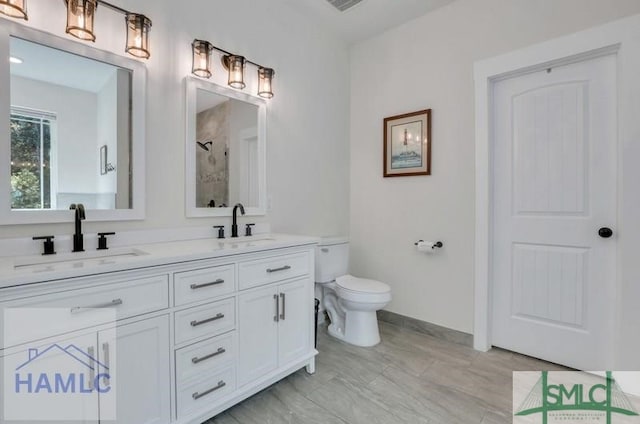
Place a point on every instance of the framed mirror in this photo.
(72, 130)
(225, 150)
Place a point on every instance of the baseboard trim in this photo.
(428, 328)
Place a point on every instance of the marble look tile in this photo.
(413, 362)
(497, 418)
(352, 403)
(409, 378)
(427, 328)
(223, 418)
(446, 405)
(305, 383)
(432, 347)
(493, 389)
(358, 365)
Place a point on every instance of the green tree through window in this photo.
(30, 159)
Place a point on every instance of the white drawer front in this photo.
(206, 356)
(83, 308)
(207, 320)
(205, 283)
(206, 392)
(263, 271)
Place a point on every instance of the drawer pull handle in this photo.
(283, 268)
(114, 302)
(220, 351)
(204, 321)
(220, 385)
(213, 283)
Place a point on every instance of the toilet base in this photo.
(360, 329)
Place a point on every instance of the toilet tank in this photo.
(332, 258)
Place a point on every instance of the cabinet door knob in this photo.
(605, 232)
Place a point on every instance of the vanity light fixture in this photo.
(265, 75)
(16, 60)
(138, 27)
(14, 8)
(233, 63)
(201, 63)
(80, 21)
(80, 14)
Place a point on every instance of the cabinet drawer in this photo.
(206, 392)
(83, 308)
(268, 270)
(206, 356)
(206, 320)
(202, 284)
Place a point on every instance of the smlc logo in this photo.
(76, 371)
(574, 400)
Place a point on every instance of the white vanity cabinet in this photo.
(274, 328)
(139, 344)
(186, 339)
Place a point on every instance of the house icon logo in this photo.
(57, 369)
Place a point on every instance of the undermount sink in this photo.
(75, 260)
(246, 241)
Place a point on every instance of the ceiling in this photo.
(54, 66)
(366, 19)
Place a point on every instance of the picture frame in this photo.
(407, 144)
(103, 160)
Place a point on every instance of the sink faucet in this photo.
(77, 237)
(234, 226)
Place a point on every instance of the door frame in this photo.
(619, 37)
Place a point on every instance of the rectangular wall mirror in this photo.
(72, 130)
(225, 150)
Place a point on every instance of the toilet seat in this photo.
(362, 290)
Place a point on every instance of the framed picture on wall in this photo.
(103, 160)
(407, 144)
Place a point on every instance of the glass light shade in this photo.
(80, 14)
(265, 78)
(14, 8)
(138, 27)
(201, 65)
(236, 71)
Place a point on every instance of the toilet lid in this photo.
(349, 282)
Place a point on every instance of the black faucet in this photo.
(77, 237)
(234, 226)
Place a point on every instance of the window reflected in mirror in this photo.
(227, 168)
(64, 108)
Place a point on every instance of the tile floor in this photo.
(408, 378)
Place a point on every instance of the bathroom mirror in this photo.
(225, 150)
(71, 130)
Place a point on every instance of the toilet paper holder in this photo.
(437, 244)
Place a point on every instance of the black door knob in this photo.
(605, 232)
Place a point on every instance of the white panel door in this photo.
(555, 186)
(137, 356)
(295, 321)
(257, 333)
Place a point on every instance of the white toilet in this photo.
(350, 302)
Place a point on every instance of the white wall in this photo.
(428, 63)
(307, 122)
(77, 154)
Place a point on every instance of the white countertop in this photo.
(16, 271)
